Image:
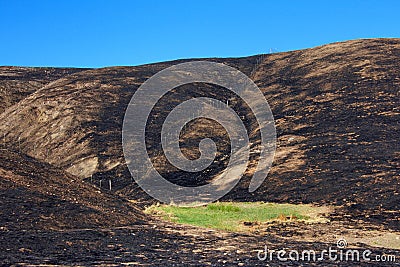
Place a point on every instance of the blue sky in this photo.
(114, 33)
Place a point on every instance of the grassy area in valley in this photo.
(238, 216)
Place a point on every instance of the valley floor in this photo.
(158, 243)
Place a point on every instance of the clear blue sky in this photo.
(110, 33)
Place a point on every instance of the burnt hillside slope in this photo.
(336, 110)
(35, 195)
(16, 83)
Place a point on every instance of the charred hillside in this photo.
(35, 195)
(16, 83)
(336, 110)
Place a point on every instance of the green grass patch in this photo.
(238, 216)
